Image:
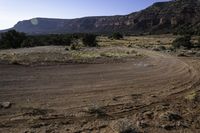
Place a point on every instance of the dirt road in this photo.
(57, 98)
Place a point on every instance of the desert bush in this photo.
(97, 111)
(12, 39)
(117, 36)
(61, 40)
(183, 41)
(89, 40)
(122, 126)
(171, 48)
(46, 40)
(30, 42)
(199, 41)
(181, 55)
(67, 49)
(75, 45)
(162, 47)
(192, 96)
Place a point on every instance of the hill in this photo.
(161, 17)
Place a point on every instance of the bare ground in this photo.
(89, 98)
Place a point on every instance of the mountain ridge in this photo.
(161, 17)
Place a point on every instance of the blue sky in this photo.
(12, 11)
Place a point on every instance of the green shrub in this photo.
(162, 47)
(95, 110)
(12, 39)
(29, 42)
(75, 45)
(192, 96)
(67, 49)
(117, 36)
(183, 41)
(60, 39)
(89, 40)
(199, 41)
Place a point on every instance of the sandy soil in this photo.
(89, 98)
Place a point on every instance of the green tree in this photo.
(12, 39)
(89, 40)
(184, 41)
(30, 42)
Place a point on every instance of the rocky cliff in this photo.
(161, 17)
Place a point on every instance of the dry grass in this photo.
(108, 48)
(59, 54)
(122, 126)
(95, 110)
(138, 40)
(192, 96)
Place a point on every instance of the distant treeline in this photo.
(14, 39)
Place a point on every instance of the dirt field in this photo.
(152, 94)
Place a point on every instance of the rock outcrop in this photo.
(161, 17)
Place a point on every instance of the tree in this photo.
(30, 42)
(12, 39)
(183, 41)
(89, 40)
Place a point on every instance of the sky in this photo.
(12, 11)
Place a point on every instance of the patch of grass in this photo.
(84, 55)
(13, 59)
(14, 62)
(117, 36)
(95, 110)
(67, 49)
(192, 96)
(117, 54)
(75, 45)
(182, 55)
(130, 46)
(162, 48)
(34, 111)
(122, 126)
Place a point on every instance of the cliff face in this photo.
(161, 17)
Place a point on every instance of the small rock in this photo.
(197, 54)
(28, 131)
(168, 127)
(170, 116)
(154, 96)
(5, 105)
(182, 124)
(114, 98)
(148, 114)
(162, 108)
(18, 118)
(142, 124)
(181, 55)
(191, 52)
(166, 104)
